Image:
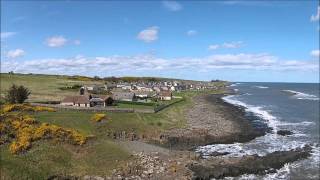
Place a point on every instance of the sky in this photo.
(260, 41)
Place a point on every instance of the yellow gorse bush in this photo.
(25, 107)
(25, 130)
(98, 117)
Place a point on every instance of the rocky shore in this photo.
(251, 164)
(211, 121)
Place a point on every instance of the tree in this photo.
(17, 94)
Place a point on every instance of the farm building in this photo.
(87, 101)
(82, 101)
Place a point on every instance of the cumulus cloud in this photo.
(315, 17)
(15, 53)
(56, 41)
(315, 53)
(227, 45)
(172, 5)
(192, 32)
(5, 35)
(152, 64)
(149, 35)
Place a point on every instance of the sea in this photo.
(280, 106)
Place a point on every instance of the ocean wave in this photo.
(303, 123)
(235, 84)
(256, 110)
(269, 143)
(284, 172)
(260, 146)
(301, 95)
(261, 87)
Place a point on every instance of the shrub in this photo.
(25, 107)
(22, 130)
(98, 117)
(17, 94)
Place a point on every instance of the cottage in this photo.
(165, 95)
(123, 96)
(100, 100)
(82, 101)
(87, 101)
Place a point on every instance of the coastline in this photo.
(212, 121)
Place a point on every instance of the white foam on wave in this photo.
(257, 110)
(261, 146)
(261, 87)
(301, 95)
(264, 145)
(303, 123)
(235, 84)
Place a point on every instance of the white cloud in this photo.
(236, 44)
(227, 45)
(77, 42)
(148, 35)
(316, 17)
(315, 53)
(15, 53)
(172, 5)
(192, 32)
(5, 35)
(151, 64)
(213, 47)
(56, 41)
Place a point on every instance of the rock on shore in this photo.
(253, 164)
(211, 121)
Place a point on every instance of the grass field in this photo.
(42, 87)
(100, 154)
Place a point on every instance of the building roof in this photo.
(165, 93)
(82, 100)
(122, 95)
(76, 99)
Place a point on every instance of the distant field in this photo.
(43, 87)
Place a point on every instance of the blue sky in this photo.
(202, 40)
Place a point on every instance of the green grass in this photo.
(42, 87)
(70, 119)
(47, 158)
(134, 106)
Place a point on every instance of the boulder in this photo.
(284, 132)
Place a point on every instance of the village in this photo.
(110, 94)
